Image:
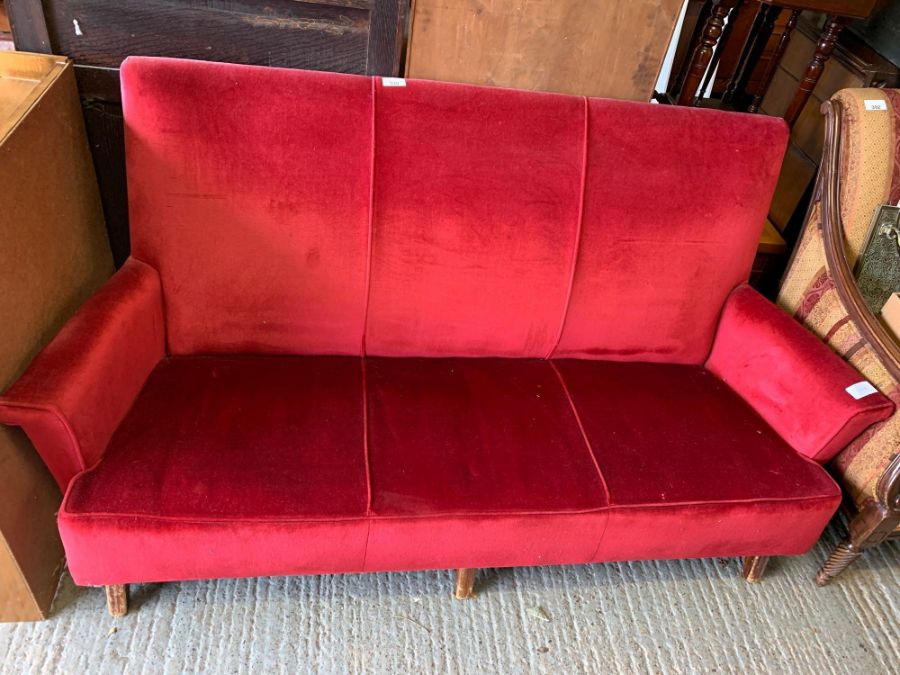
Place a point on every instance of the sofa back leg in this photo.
(465, 582)
(117, 600)
(754, 567)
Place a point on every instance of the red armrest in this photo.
(78, 388)
(791, 378)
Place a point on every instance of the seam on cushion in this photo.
(425, 516)
(368, 291)
(365, 421)
(579, 226)
(60, 418)
(606, 512)
(715, 336)
(584, 435)
(162, 303)
(365, 559)
(727, 502)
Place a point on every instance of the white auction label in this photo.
(393, 81)
(875, 104)
(861, 389)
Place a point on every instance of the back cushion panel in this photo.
(675, 201)
(249, 192)
(477, 196)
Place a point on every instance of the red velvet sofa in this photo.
(385, 325)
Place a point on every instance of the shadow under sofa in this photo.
(370, 328)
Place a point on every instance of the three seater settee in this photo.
(372, 324)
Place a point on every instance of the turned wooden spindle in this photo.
(824, 47)
(712, 30)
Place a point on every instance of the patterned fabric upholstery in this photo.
(870, 175)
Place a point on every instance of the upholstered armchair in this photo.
(860, 170)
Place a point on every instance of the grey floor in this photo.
(651, 617)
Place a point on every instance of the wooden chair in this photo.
(859, 171)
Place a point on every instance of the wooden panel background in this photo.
(608, 48)
(350, 36)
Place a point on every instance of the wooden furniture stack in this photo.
(350, 36)
(839, 12)
(54, 255)
(778, 59)
(852, 65)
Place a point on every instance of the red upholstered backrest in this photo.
(302, 213)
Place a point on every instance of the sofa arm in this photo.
(792, 379)
(77, 389)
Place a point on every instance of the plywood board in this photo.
(611, 49)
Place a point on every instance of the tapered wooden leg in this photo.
(117, 600)
(754, 567)
(465, 581)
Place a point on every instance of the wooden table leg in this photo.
(825, 46)
(704, 50)
(772, 66)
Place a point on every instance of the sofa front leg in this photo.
(117, 600)
(465, 582)
(754, 567)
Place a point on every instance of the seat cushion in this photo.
(477, 460)
(237, 437)
(227, 466)
(681, 452)
(245, 466)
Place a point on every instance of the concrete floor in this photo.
(651, 617)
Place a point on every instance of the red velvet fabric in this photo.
(102, 550)
(685, 434)
(790, 377)
(77, 389)
(675, 200)
(436, 219)
(475, 436)
(236, 438)
(692, 470)
(248, 190)
(489, 540)
(716, 529)
(477, 195)
(419, 463)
